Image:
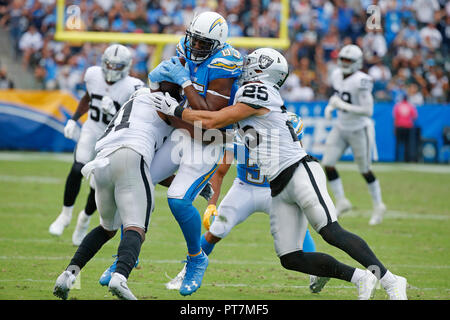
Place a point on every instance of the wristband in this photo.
(178, 112)
(185, 84)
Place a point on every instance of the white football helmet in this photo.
(206, 34)
(266, 65)
(350, 59)
(116, 62)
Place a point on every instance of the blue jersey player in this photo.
(209, 82)
(249, 193)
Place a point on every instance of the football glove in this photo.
(107, 106)
(164, 103)
(210, 211)
(71, 130)
(328, 110)
(207, 191)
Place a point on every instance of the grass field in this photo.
(413, 240)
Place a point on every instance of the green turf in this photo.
(413, 241)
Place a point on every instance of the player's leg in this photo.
(84, 152)
(98, 236)
(235, 208)
(134, 198)
(320, 211)
(335, 146)
(198, 164)
(360, 143)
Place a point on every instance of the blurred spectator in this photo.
(413, 41)
(404, 114)
(30, 43)
(5, 82)
(293, 91)
(415, 97)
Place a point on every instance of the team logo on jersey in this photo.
(217, 22)
(265, 61)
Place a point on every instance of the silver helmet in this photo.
(116, 62)
(266, 65)
(350, 59)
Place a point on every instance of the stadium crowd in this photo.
(406, 53)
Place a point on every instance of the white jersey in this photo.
(356, 89)
(96, 86)
(136, 125)
(272, 142)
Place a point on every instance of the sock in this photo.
(358, 274)
(67, 211)
(353, 245)
(128, 252)
(91, 206)
(189, 221)
(375, 192)
(90, 245)
(337, 188)
(73, 184)
(318, 264)
(206, 246)
(308, 243)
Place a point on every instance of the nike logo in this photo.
(167, 103)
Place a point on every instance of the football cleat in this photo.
(61, 222)
(175, 283)
(366, 286)
(397, 290)
(195, 270)
(81, 229)
(63, 285)
(119, 288)
(377, 214)
(342, 205)
(106, 275)
(316, 283)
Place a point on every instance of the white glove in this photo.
(71, 130)
(164, 103)
(107, 106)
(328, 110)
(336, 102)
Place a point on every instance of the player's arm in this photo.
(216, 183)
(221, 118)
(364, 109)
(217, 179)
(217, 95)
(83, 107)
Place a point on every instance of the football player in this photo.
(107, 88)
(297, 181)
(124, 191)
(249, 193)
(208, 80)
(354, 127)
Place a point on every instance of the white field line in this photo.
(228, 285)
(348, 166)
(213, 261)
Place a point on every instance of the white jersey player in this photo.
(107, 88)
(297, 181)
(354, 127)
(124, 190)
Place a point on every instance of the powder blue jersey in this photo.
(224, 63)
(247, 170)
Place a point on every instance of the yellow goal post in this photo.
(160, 40)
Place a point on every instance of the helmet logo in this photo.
(217, 22)
(264, 61)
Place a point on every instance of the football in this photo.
(172, 88)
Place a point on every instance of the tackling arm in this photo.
(83, 107)
(217, 96)
(217, 178)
